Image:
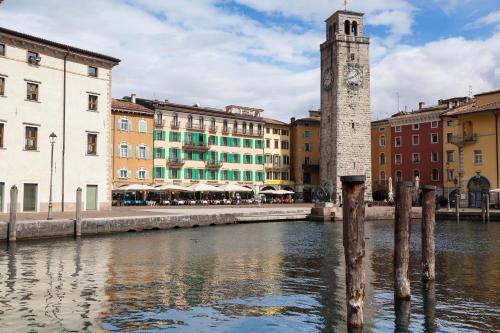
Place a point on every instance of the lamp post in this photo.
(52, 138)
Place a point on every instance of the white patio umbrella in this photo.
(136, 187)
(389, 188)
(495, 191)
(234, 188)
(281, 192)
(171, 188)
(203, 188)
(267, 192)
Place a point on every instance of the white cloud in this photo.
(437, 70)
(491, 18)
(196, 52)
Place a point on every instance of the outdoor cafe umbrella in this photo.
(135, 187)
(203, 188)
(234, 188)
(389, 189)
(282, 192)
(171, 188)
(267, 192)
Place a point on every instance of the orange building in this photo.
(381, 158)
(132, 139)
(305, 154)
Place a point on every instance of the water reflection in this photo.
(247, 278)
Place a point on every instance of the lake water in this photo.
(275, 277)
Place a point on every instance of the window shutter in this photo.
(128, 174)
(154, 172)
(163, 135)
(251, 143)
(216, 174)
(118, 124)
(162, 152)
(216, 157)
(137, 151)
(185, 173)
(147, 153)
(216, 140)
(170, 153)
(238, 142)
(204, 138)
(137, 174)
(117, 150)
(195, 174)
(163, 172)
(169, 173)
(239, 175)
(251, 159)
(129, 151)
(230, 175)
(146, 174)
(129, 125)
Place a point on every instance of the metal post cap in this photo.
(428, 187)
(353, 179)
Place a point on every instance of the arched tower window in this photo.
(330, 32)
(347, 27)
(354, 28)
(335, 27)
(190, 121)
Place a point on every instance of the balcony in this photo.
(213, 129)
(175, 162)
(241, 132)
(310, 167)
(276, 167)
(212, 164)
(159, 122)
(191, 145)
(462, 140)
(196, 128)
(225, 130)
(174, 125)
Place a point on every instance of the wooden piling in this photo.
(429, 300)
(428, 223)
(488, 208)
(402, 240)
(457, 206)
(12, 233)
(78, 219)
(483, 207)
(402, 311)
(353, 191)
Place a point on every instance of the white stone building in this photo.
(47, 87)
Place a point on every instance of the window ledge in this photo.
(92, 155)
(94, 111)
(32, 101)
(3, 96)
(32, 150)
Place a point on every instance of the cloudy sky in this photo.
(265, 53)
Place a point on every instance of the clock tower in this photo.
(345, 102)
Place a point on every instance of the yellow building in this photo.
(471, 149)
(305, 138)
(132, 137)
(381, 158)
(277, 155)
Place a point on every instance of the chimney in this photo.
(421, 105)
(132, 98)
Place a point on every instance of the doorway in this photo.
(477, 187)
(91, 200)
(30, 193)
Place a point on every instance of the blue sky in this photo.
(265, 53)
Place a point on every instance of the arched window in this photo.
(200, 123)
(244, 128)
(354, 28)
(175, 120)
(251, 128)
(259, 129)
(347, 27)
(416, 174)
(382, 175)
(224, 126)
(330, 32)
(212, 124)
(382, 140)
(190, 121)
(235, 127)
(382, 158)
(335, 27)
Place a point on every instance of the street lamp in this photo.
(52, 138)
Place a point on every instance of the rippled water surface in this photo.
(276, 277)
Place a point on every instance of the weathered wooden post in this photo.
(483, 207)
(428, 223)
(457, 206)
(402, 312)
(353, 191)
(488, 207)
(78, 220)
(12, 234)
(402, 240)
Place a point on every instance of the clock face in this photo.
(353, 77)
(328, 80)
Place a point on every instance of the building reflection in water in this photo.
(289, 277)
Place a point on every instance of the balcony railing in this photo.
(196, 128)
(175, 161)
(462, 140)
(276, 166)
(191, 145)
(213, 129)
(159, 122)
(174, 124)
(212, 164)
(241, 132)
